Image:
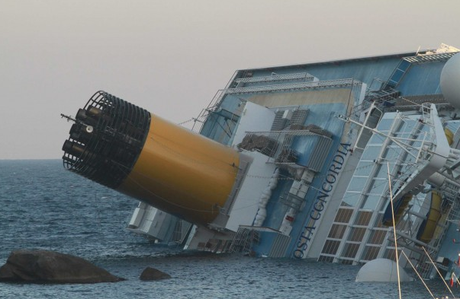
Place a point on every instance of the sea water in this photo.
(43, 206)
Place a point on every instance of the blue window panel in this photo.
(351, 199)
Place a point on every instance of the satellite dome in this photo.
(381, 270)
(450, 81)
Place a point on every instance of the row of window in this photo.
(370, 253)
(367, 194)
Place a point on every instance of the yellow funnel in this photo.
(127, 148)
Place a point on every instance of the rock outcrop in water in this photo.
(153, 274)
(41, 266)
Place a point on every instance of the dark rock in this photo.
(41, 266)
(153, 274)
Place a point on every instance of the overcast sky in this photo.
(170, 57)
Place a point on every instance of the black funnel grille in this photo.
(106, 139)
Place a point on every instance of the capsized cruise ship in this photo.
(299, 161)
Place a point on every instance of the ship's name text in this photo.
(321, 200)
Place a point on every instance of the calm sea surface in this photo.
(43, 206)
